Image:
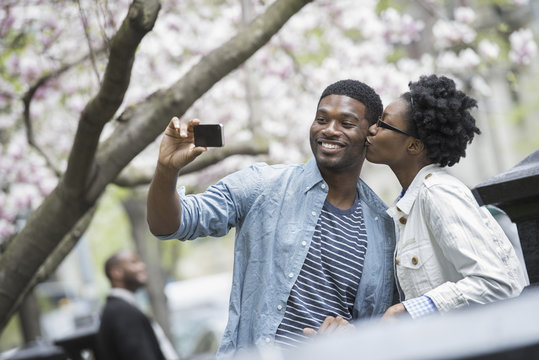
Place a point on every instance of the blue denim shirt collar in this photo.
(312, 175)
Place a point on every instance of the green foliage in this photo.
(397, 54)
(314, 57)
(11, 336)
(109, 230)
(520, 111)
(494, 2)
(395, 4)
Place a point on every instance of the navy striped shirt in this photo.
(329, 278)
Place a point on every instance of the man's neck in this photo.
(342, 189)
(124, 294)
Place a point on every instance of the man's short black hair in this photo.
(112, 262)
(362, 93)
(441, 118)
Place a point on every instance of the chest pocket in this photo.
(416, 270)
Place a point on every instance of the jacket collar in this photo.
(313, 177)
(407, 200)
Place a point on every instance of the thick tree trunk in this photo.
(63, 208)
(91, 169)
(150, 253)
(29, 314)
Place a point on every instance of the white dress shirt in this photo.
(448, 247)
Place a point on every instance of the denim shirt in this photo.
(274, 210)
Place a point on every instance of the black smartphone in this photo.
(208, 135)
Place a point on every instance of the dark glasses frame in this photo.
(381, 124)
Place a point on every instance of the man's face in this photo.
(134, 271)
(338, 134)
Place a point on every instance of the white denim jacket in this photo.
(449, 248)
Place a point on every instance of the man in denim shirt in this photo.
(277, 212)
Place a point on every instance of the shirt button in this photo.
(268, 340)
(304, 243)
(428, 176)
(291, 275)
(279, 307)
(397, 261)
(402, 220)
(314, 213)
(323, 186)
(414, 260)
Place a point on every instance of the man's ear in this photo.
(415, 146)
(116, 273)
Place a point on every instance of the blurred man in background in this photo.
(125, 332)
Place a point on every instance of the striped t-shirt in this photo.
(329, 278)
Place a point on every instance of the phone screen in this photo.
(208, 135)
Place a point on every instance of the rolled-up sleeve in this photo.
(218, 209)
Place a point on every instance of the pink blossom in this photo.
(523, 47)
(6, 229)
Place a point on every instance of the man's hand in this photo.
(393, 311)
(177, 147)
(330, 325)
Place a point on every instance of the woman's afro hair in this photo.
(362, 93)
(441, 118)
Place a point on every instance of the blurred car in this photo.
(198, 313)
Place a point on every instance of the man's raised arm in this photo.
(177, 149)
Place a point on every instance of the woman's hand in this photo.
(394, 311)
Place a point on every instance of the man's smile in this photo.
(330, 145)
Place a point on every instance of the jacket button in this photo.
(428, 176)
(397, 261)
(414, 260)
(402, 220)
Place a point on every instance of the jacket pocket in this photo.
(416, 268)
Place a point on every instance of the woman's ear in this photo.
(415, 146)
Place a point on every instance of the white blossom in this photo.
(448, 33)
(488, 49)
(401, 29)
(465, 15)
(523, 47)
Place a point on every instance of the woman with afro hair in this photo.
(450, 252)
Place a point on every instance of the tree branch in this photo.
(84, 22)
(131, 177)
(140, 124)
(140, 19)
(65, 206)
(27, 101)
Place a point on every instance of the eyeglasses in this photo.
(385, 125)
